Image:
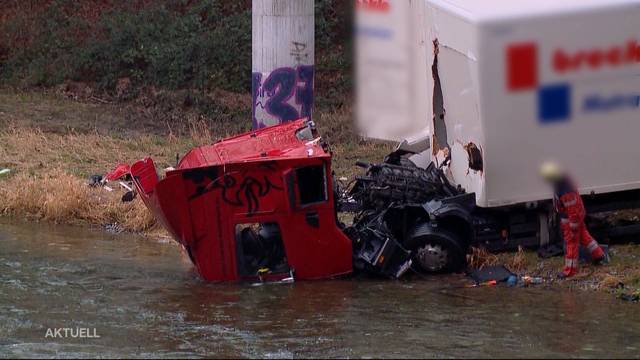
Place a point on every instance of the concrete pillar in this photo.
(283, 60)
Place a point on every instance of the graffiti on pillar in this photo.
(299, 53)
(283, 95)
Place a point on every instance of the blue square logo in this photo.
(554, 103)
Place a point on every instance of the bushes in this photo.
(39, 44)
(168, 43)
(333, 52)
(163, 47)
(195, 44)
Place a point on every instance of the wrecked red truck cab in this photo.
(258, 205)
(263, 206)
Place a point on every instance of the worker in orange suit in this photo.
(570, 208)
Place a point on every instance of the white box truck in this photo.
(497, 87)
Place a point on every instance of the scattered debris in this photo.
(630, 297)
(491, 273)
(512, 273)
(486, 283)
(439, 141)
(124, 185)
(129, 196)
(528, 280)
(4, 172)
(114, 228)
(119, 172)
(95, 180)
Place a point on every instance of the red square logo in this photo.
(522, 68)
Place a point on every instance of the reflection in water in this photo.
(143, 299)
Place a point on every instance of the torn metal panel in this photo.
(439, 142)
(456, 114)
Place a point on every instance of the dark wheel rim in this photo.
(432, 257)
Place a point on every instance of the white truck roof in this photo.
(489, 10)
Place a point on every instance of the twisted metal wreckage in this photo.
(266, 206)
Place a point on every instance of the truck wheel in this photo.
(436, 250)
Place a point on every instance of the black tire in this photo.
(424, 239)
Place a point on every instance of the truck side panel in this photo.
(566, 88)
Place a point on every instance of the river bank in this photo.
(620, 277)
(53, 144)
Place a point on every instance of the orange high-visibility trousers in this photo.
(574, 231)
(573, 238)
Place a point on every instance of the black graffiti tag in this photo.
(245, 193)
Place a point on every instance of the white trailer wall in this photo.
(585, 115)
(392, 98)
(522, 82)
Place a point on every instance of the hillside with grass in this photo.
(85, 85)
(123, 49)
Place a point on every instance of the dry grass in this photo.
(48, 172)
(608, 281)
(62, 198)
(32, 151)
(49, 167)
(200, 132)
(50, 150)
(519, 261)
(40, 131)
(481, 258)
